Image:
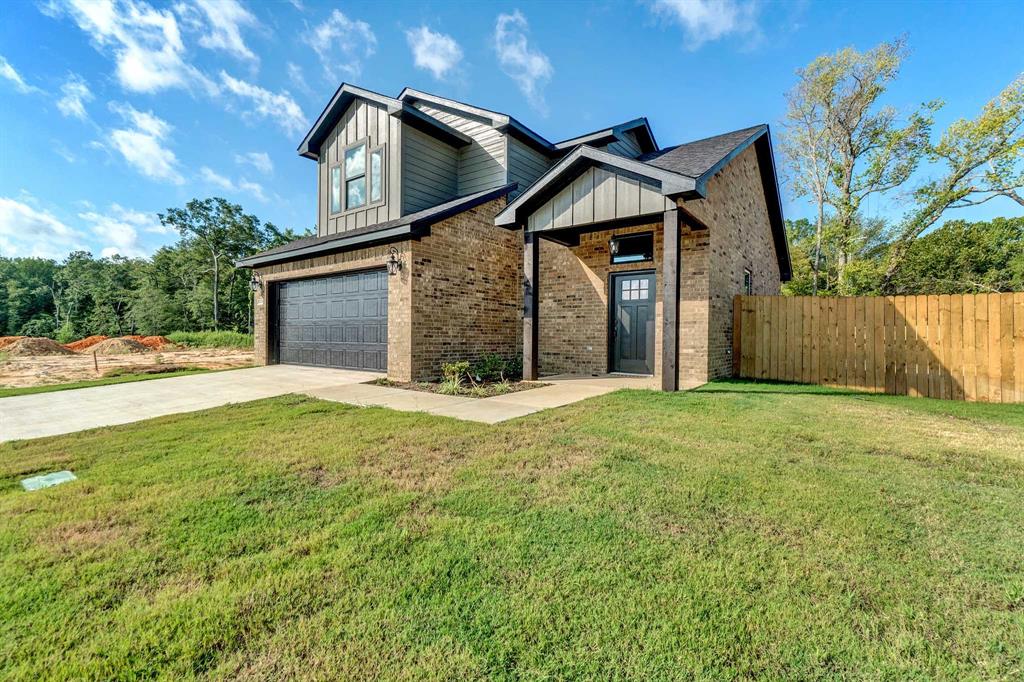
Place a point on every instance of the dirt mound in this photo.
(155, 342)
(35, 346)
(118, 346)
(8, 340)
(88, 341)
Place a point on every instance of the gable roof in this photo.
(412, 225)
(682, 171)
(639, 126)
(570, 166)
(346, 94)
(701, 159)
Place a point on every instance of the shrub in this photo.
(211, 339)
(494, 367)
(454, 373)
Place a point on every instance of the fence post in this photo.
(737, 328)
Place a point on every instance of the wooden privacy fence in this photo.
(957, 347)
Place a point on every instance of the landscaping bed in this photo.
(487, 377)
(481, 390)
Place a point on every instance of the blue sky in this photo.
(111, 111)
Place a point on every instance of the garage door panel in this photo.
(335, 321)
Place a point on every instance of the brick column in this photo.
(531, 278)
(670, 302)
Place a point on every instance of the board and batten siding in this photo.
(430, 170)
(626, 146)
(361, 120)
(598, 195)
(525, 164)
(482, 162)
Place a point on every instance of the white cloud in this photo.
(119, 230)
(146, 43)
(75, 93)
(434, 52)
(8, 72)
(141, 144)
(258, 160)
(296, 77)
(707, 20)
(278, 106)
(222, 182)
(525, 64)
(226, 18)
(342, 44)
(29, 231)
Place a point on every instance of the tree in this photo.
(983, 160)
(810, 156)
(964, 257)
(225, 233)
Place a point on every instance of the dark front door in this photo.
(632, 321)
(335, 321)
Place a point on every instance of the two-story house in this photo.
(446, 231)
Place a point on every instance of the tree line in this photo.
(192, 285)
(842, 148)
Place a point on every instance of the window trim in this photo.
(615, 237)
(339, 163)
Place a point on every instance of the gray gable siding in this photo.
(626, 146)
(430, 171)
(362, 120)
(525, 164)
(481, 164)
(595, 196)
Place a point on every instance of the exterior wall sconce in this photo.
(393, 262)
(255, 283)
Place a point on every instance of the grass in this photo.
(121, 376)
(211, 339)
(739, 531)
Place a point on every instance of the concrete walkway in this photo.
(564, 390)
(49, 414)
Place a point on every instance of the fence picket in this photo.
(956, 347)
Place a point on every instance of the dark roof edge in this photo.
(702, 180)
(412, 116)
(671, 183)
(773, 201)
(392, 105)
(612, 133)
(417, 224)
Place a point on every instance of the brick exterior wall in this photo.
(458, 295)
(467, 291)
(740, 238)
(573, 301)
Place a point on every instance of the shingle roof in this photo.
(694, 159)
(419, 219)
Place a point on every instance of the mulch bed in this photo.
(482, 390)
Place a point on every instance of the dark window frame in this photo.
(645, 255)
(748, 282)
(339, 164)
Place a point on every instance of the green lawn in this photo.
(740, 531)
(103, 381)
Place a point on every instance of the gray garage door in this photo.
(336, 321)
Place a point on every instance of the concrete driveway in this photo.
(49, 414)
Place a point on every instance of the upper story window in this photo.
(748, 282)
(632, 248)
(355, 176)
(357, 181)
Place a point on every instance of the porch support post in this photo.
(531, 278)
(670, 302)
